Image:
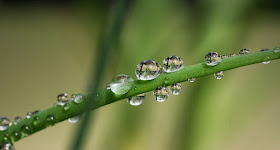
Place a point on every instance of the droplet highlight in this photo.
(244, 51)
(212, 59)
(161, 94)
(121, 84)
(219, 75)
(136, 100)
(191, 79)
(172, 64)
(4, 123)
(266, 62)
(176, 88)
(51, 120)
(148, 70)
(62, 99)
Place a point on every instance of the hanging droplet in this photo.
(277, 50)
(191, 79)
(148, 70)
(7, 146)
(108, 86)
(172, 64)
(161, 94)
(176, 88)
(266, 62)
(67, 106)
(62, 99)
(25, 130)
(4, 123)
(219, 75)
(136, 100)
(77, 98)
(15, 136)
(223, 56)
(17, 119)
(75, 119)
(212, 59)
(231, 55)
(51, 120)
(244, 51)
(121, 84)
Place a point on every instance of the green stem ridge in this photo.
(103, 96)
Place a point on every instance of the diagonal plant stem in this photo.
(103, 96)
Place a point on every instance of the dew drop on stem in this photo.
(244, 51)
(268, 61)
(4, 123)
(219, 75)
(148, 70)
(121, 84)
(161, 94)
(212, 59)
(172, 64)
(136, 100)
(176, 88)
(62, 99)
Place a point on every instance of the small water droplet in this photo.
(7, 146)
(231, 55)
(75, 119)
(15, 136)
(4, 123)
(25, 130)
(135, 88)
(121, 84)
(67, 106)
(277, 50)
(108, 86)
(212, 59)
(17, 119)
(266, 62)
(176, 88)
(166, 81)
(36, 121)
(51, 120)
(62, 99)
(30, 114)
(6, 138)
(244, 51)
(161, 94)
(77, 98)
(136, 100)
(219, 75)
(172, 64)
(191, 79)
(223, 56)
(148, 70)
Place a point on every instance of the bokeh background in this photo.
(51, 47)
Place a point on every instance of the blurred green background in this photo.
(50, 47)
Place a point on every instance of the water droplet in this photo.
(15, 136)
(108, 86)
(25, 130)
(17, 119)
(121, 84)
(212, 59)
(77, 98)
(7, 146)
(4, 123)
(166, 81)
(244, 51)
(51, 120)
(75, 119)
(62, 99)
(191, 79)
(172, 64)
(67, 106)
(266, 62)
(219, 75)
(277, 50)
(161, 94)
(148, 70)
(136, 100)
(231, 55)
(6, 138)
(176, 88)
(36, 121)
(30, 114)
(223, 56)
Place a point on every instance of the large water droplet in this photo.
(25, 130)
(244, 51)
(161, 94)
(7, 146)
(136, 100)
(51, 120)
(231, 55)
(212, 59)
(191, 79)
(17, 119)
(172, 64)
(4, 123)
(219, 75)
(75, 119)
(176, 88)
(148, 70)
(62, 99)
(266, 62)
(223, 56)
(77, 98)
(121, 84)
